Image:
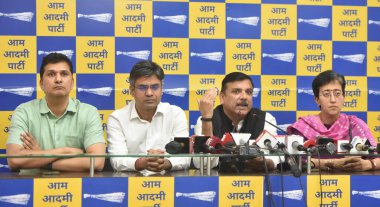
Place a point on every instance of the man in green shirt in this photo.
(55, 124)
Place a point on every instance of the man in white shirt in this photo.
(146, 125)
(235, 114)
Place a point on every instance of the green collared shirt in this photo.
(78, 127)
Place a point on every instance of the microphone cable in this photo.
(303, 191)
(282, 179)
(320, 174)
(269, 186)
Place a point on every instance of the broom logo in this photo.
(306, 91)
(68, 53)
(103, 91)
(214, 56)
(180, 92)
(256, 92)
(177, 19)
(322, 22)
(356, 58)
(104, 17)
(4, 166)
(23, 16)
(374, 22)
(285, 57)
(373, 92)
(252, 21)
(25, 91)
(142, 54)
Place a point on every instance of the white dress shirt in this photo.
(128, 134)
(271, 129)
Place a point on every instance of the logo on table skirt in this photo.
(4, 166)
(20, 199)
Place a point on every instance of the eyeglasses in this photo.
(144, 88)
(327, 93)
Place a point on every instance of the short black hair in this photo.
(145, 68)
(325, 78)
(53, 58)
(235, 76)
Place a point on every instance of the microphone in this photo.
(174, 147)
(359, 146)
(343, 146)
(270, 142)
(214, 145)
(180, 145)
(228, 140)
(291, 161)
(267, 140)
(299, 147)
(323, 144)
(309, 145)
(365, 147)
(291, 141)
(295, 144)
(295, 141)
(330, 147)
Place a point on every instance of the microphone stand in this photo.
(294, 168)
(308, 165)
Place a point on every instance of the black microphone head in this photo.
(346, 146)
(301, 148)
(173, 147)
(268, 144)
(281, 145)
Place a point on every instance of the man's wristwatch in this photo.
(206, 119)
